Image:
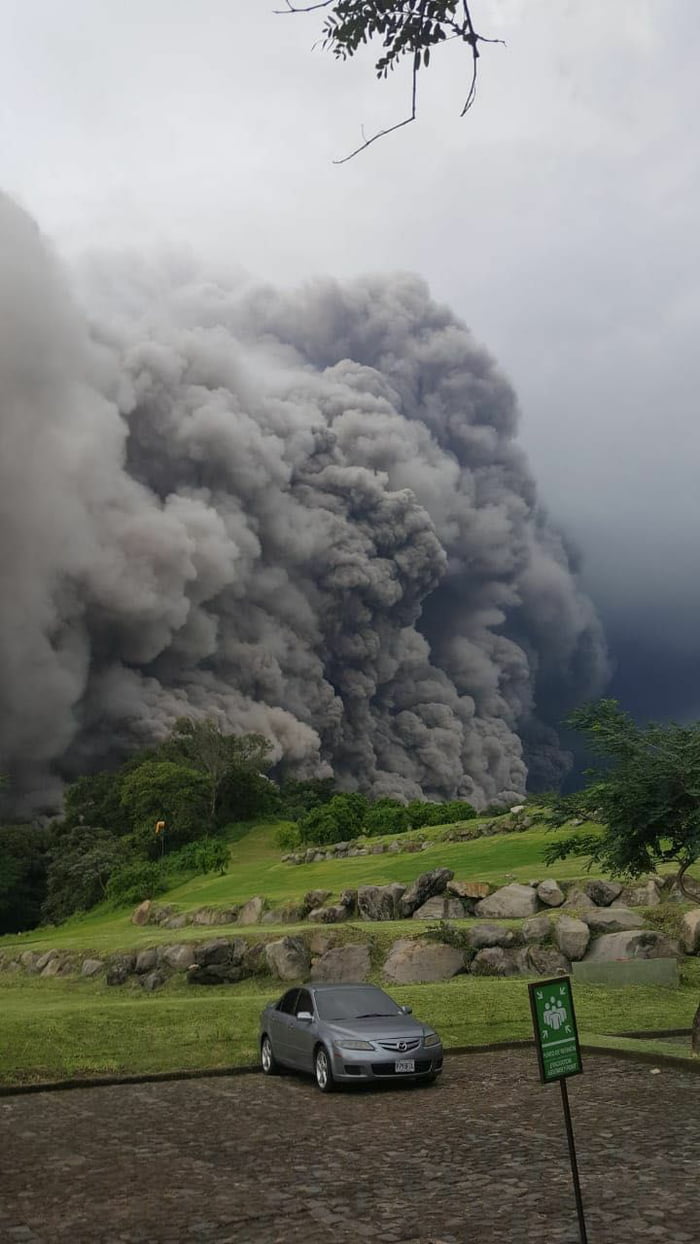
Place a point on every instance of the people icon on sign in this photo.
(554, 1014)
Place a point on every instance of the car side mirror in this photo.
(407, 1010)
(305, 1016)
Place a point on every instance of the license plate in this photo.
(406, 1064)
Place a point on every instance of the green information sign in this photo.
(556, 1035)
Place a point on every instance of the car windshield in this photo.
(358, 1003)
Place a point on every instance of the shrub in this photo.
(135, 882)
(422, 813)
(336, 821)
(386, 816)
(287, 838)
(208, 855)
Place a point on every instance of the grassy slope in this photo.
(256, 868)
(61, 1027)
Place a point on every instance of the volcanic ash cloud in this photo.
(301, 513)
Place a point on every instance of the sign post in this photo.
(559, 1056)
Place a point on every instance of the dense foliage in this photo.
(646, 794)
(23, 864)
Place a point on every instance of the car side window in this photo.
(286, 1004)
(304, 1002)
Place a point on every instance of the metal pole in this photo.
(574, 1164)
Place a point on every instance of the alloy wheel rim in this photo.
(266, 1056)
(321, 1069)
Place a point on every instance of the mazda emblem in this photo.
(402, 1045)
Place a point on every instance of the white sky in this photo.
(559, 218)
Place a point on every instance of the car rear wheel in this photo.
(268, 1061)
(322, 1070)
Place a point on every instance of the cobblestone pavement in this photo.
(479, 1158)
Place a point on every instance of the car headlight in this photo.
(354, 1045)
(431, 1039)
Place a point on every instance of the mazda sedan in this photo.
(343, 1034)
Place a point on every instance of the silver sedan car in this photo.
(347, 1034)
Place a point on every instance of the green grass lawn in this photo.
(56, 1029)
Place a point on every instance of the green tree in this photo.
(81, 862)
(222, 757)
(175, 793)
(410, 29)
(23, 865)
(386, 816)
(339, 819)
(646, 795)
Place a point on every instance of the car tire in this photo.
(268, 1062)
(323, 1073)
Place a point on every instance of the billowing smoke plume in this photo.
(301, 513)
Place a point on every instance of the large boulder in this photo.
(29, 960)
(603, 893)
(637, 944)
(288, 959)
(289, 913)
(690, 932)
(142, 914)
(579, 900)
(550, 893)
(483, 935)
(43, 961)
(334, 914)
(215, 915)
(221, 951)
(510, 902)
(120, 968)
(380, 902)
(469, 889)
(179, 921)
(251, 912)
(424, 887)
(414, 963)
(216, 974)
(152, 981)
(572, 937)
(91, 967)
(643, 894)
(613, 920)
(146, 961)
(178, 957)
(495, 961)
(440, 907)
(313, 899)
(343, 964)
(541, 961)
(537, 929)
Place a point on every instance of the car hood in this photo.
(400, 1026)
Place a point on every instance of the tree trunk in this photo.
(680, 881)
(695, 1035)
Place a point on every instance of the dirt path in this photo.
(479, 1158)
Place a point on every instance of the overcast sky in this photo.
(559, 219)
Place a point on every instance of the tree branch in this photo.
(399, 124)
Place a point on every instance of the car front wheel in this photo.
(268, 1061)
(322, 1070)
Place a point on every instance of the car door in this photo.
(302, 1033)
(281, 1019)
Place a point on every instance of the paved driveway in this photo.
(481, 1158)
